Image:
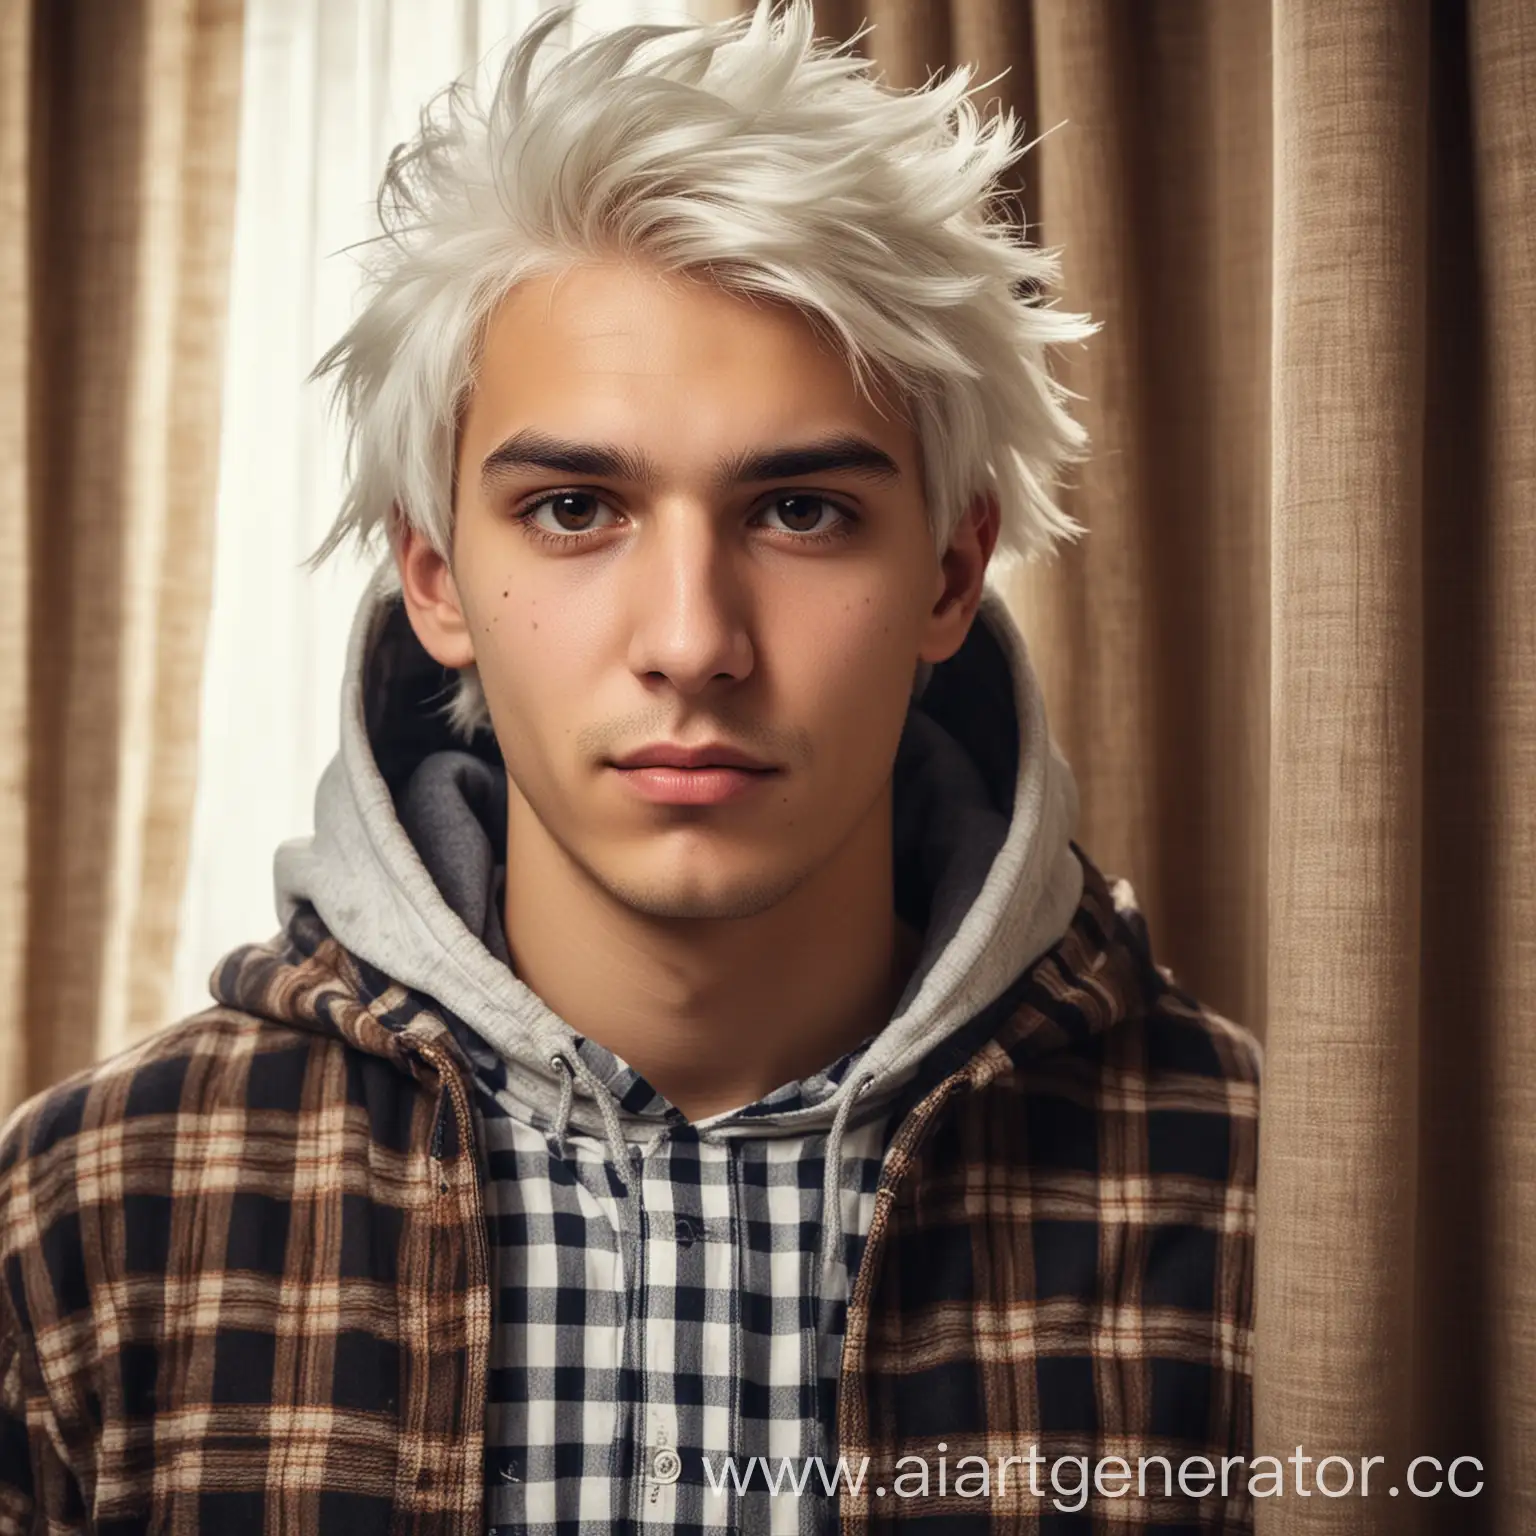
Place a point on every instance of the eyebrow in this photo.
(843, 452)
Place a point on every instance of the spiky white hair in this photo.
(762, 158)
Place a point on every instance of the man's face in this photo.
(664, 598)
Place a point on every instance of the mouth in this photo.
(710, 784)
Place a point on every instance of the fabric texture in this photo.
(117, 156)
(247, 1283)
(681, 1310)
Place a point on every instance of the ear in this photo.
(961, 579)
(431, 598)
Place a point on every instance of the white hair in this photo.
(754, 155)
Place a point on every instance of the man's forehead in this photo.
(659, 365)
(629, 308)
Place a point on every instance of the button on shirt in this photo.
(654, 1333)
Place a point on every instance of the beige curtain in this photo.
(1294, 662)
(117, 154)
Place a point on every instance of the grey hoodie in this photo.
(985, 808)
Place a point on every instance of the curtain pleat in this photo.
(1499, 519)
(15, 591)
(1338, 1145)
(117, 160)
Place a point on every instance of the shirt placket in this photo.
(688, 1372)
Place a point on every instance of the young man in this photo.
(702, 1040)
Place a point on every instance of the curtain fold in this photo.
(1293, 664)
(117, 141)
(1488, 527)
(15, 608)
(1347, 806)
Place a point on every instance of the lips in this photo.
(711, 773)
(710, 755)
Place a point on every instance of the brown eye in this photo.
(573, 511)
(573, 514)
(805, 514)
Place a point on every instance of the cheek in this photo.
(856, 677)
(535, 656)
(872, 635)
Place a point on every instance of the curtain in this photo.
(117, 125)
(330, 86)
(1293, 663)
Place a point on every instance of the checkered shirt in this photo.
(643, 1325)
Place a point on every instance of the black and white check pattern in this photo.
(642, 1328)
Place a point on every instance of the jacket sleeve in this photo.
(17, 1504)
(38, 1492)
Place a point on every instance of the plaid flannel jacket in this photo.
(244, 1275)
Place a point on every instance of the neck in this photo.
(712, 1012)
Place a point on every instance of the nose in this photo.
(690, 607)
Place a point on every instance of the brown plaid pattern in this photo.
(245, 1276)
(1061, 1254)
(244, 1281)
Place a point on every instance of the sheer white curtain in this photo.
(329, 87)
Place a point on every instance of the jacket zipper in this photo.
(852, 1417)
(477, 1317)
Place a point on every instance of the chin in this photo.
(689, 899)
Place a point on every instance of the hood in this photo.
(403, 865)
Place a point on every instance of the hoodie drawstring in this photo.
(563, 1113)
(570, 1068)
(832, 1179)
(822, 1359)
